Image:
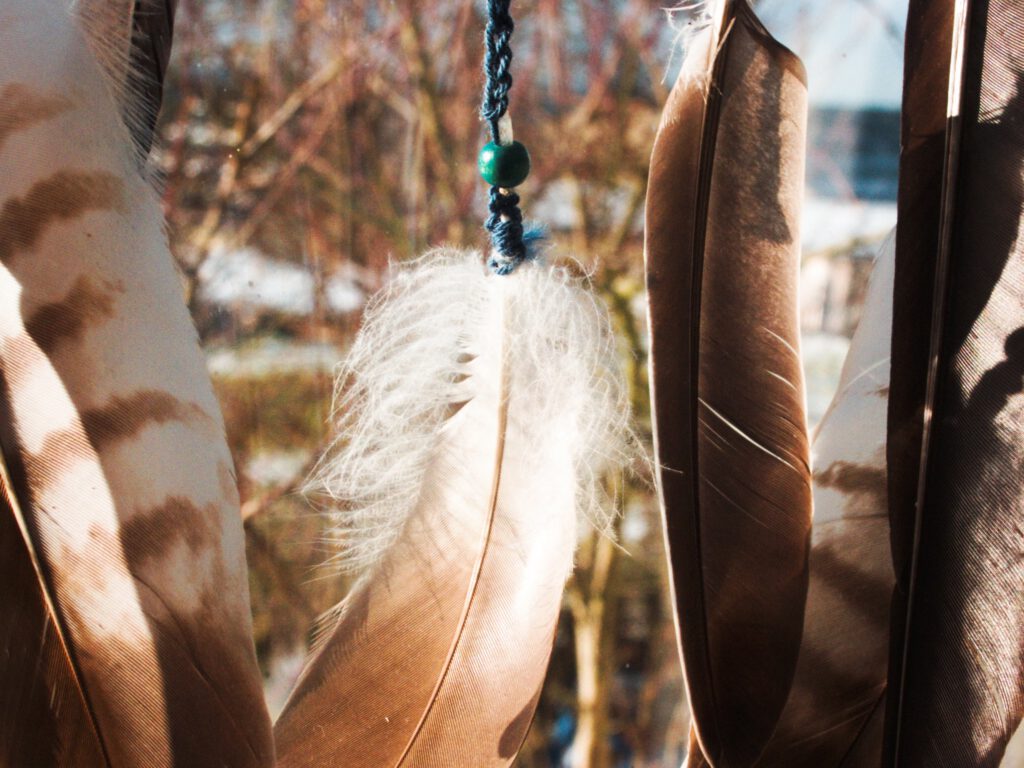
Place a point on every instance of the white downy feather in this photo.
(407, 372)
(477, 416)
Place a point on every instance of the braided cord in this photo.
(506, 220)
(497, 64)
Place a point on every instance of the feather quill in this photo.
(477, 415)
(955, 440)
(722, 250)
(833, 716)
(129, 640)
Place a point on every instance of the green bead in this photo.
(504, 165)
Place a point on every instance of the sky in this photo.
(852, 48)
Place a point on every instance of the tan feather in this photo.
(722, 253)
(117, 472)
(438, 655)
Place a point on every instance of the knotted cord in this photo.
(506, 220)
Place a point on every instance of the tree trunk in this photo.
(594, 633)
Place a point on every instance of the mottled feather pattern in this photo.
(722, 253)
(113, 446)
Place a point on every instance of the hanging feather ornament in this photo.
(955, 438)
(478, 413)
(722, 254)
(125, 632)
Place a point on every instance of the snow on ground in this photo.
(269, 355)
(275, 467)
(250, 278)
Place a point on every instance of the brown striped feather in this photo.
(125, 544)
(955, 436)
(722, 255)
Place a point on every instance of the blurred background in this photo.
(305, 144)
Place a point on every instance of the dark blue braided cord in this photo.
(497, 64)
(512, 245)
(506, 227)
(534, 241)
